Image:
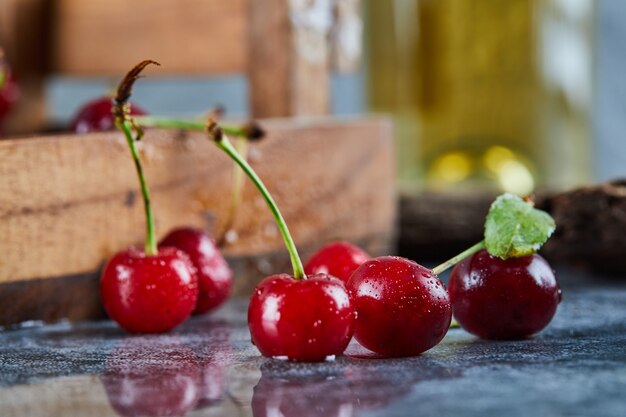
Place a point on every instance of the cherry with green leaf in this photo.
(155, 289)
(403, 308)
(506, 290)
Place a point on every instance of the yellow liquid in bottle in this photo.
(485, 93)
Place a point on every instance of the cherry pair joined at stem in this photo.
(156, 289)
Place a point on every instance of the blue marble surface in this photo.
(208, 367)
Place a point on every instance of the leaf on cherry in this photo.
(514, 228)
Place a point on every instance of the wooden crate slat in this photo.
(289, 63)
(68, 202)
(102, 37)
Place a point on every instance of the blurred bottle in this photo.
(485, 93)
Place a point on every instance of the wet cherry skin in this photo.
(304, 320)
(95, 116)
(503, 299)
(149, 294)
(402, 308)
(339, 259)
(215, 278)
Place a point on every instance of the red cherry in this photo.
(144, 379)
(149, 294)
(96, 116)
(215, 278)
(303, 320)
(339, 259)
(9, 91)
(503, 299)
(402, 308)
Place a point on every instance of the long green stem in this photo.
(298, 270)
(3, 70)
(458, 258)
(151, 242)
(173, 123)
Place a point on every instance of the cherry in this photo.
(503, 299)
(9, 90)
(295, 317)
(149, 293)
(215, 277)
(144, 379)
(339, 259)
(402, 308)
(152, 290)
(96, 116)
(305, 320)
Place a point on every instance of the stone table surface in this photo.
(208, 367)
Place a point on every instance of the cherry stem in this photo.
(151, 241)
(3, 71)
(224, 144)
(241, 146)
(458, 258)
(173, 123)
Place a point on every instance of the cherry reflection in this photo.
(344, 388)
(211, 339)
(291, 389)
(152, 377)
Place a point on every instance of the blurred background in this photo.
(511, 95)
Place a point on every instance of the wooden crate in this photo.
(68, 202)
(285, 48)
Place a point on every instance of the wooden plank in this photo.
(590, 225)
(288, 67)
(77, 297)
(99, 37)
(68, 202)
(346, 35)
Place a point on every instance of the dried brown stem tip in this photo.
(253, 131)
(214, 131)
(530, 199)
(126, 85)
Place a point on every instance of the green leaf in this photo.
(514, 228)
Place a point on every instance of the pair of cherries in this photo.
(396, 307)
(155, 293)
(391, 305)
(156, 289)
